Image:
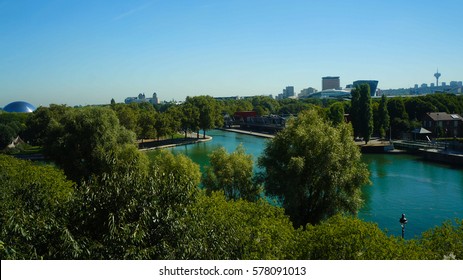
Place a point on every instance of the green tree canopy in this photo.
(315, 168)
(238, 229)
(128, 215)
(209, 112)
(84, 140)
(336, 113)
(179, 165)
(231, 173)
(348, 238)
(33, 205)
(383, 117)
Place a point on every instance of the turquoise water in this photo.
(428, 193)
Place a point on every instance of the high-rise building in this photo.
(372, 83)
(289, 91)
(330, 83)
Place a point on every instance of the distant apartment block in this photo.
(307, 92)
(288, 92)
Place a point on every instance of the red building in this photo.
(244, 116)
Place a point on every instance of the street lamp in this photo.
(403, 221)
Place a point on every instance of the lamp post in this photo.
(403, 221)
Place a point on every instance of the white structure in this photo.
(142, 98)
(331, 93)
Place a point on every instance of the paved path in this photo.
(264, 135)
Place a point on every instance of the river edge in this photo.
(170, 143)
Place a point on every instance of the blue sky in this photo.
(87, 52)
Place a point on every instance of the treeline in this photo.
(407, 113)
(399, 115)
(106, 200)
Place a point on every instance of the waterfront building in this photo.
(331, 83)
(442, 124)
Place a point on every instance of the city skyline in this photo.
(87, 52)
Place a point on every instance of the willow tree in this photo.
(232, 174)
(84, 141)
(315, 168)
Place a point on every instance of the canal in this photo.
(428, 193)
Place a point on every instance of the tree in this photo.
(398, 116)
(361, 112)
(348, 238)
(223, 229)
(231, 173)
(445, 242)
(354, 111)
(189, 118)
(315, 168)
(174, 114)
(209, 112)
(128, 116)
(11, 125)
(128, 215)
(179, 165)
(364, 113)
(163, 125)
(7, 135)
(33, 210)
(147, 124)
(336, 113)
(84, 140)
(265, 104)
(383, 115)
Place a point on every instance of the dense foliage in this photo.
(33, 205)
(11, 125)
(315, 168)
(163, 215)
(231, 173)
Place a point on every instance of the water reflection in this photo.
(426, 192)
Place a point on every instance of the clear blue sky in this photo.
(87, 52)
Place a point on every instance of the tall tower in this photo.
(437, 75)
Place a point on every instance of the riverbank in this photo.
(377, 146)
(246, 132)
(442, 156)
(153, 144)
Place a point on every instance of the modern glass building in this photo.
(19, 107)
(372, 83)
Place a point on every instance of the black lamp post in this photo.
(403, 221)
